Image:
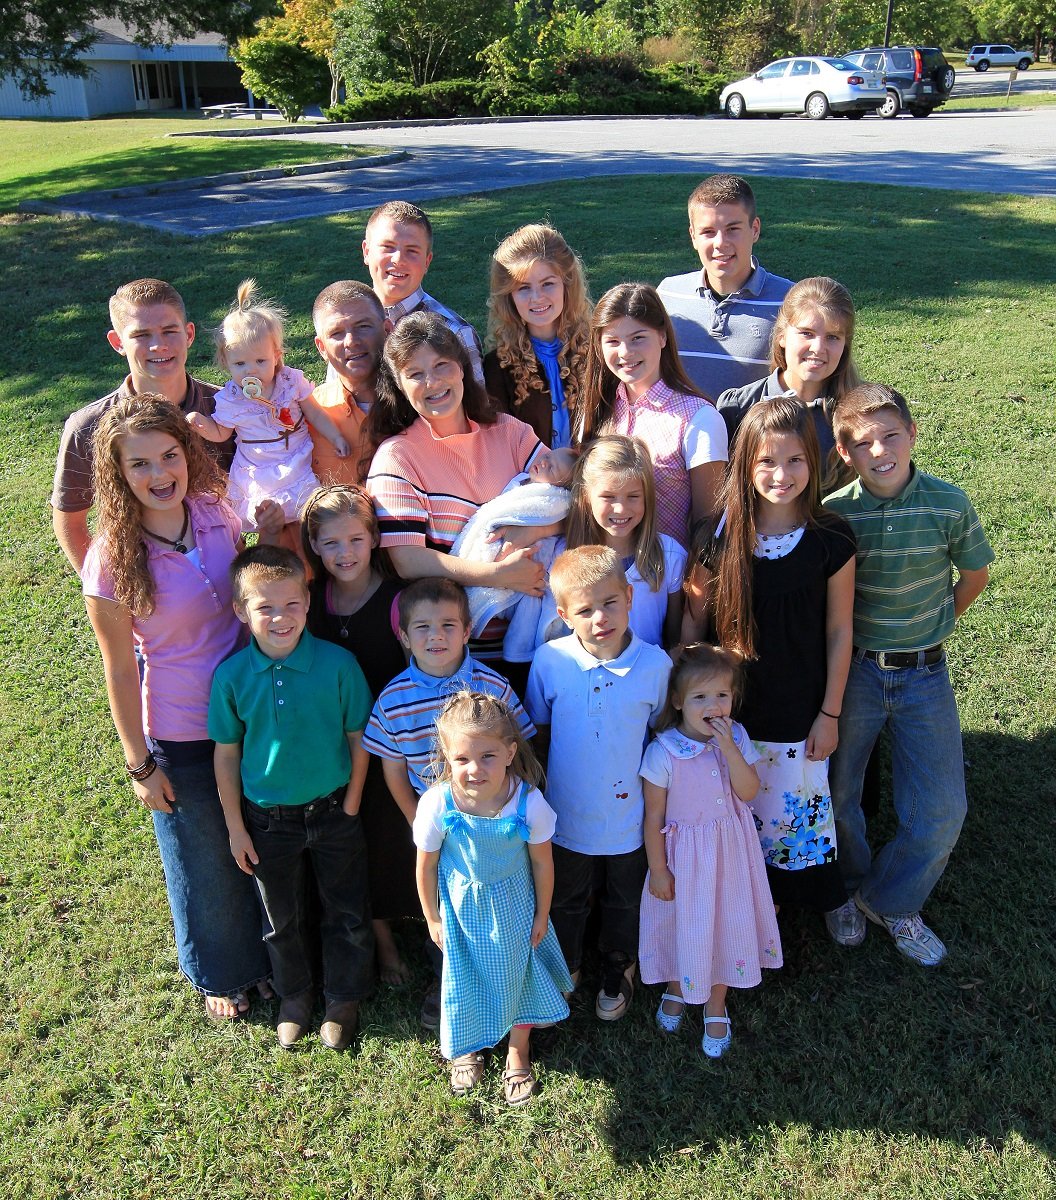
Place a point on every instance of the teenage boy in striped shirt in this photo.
(912, 531)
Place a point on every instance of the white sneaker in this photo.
(846, 924)
(912, 937)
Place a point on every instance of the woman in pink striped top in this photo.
(442, 453)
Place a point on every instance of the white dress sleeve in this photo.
(744, 743)
(427, 831)
(674, 564)
(541, 818)
(705, 439)
(656, 765)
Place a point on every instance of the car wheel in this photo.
(918, 110)
(983, 65)
(817, 106)
(949, 78)
(891, 106)
(735, 106)
(1023, 64)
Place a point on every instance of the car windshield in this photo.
(841, 64)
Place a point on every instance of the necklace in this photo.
(178, 545)
(344, 619)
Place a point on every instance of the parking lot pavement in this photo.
(988, 151)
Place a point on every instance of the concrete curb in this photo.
(199, 182)
(427, 122)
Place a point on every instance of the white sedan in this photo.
(815, 85)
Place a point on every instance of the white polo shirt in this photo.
(599, 715)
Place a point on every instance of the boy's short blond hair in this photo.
(863, 402)
(402, 212)
(433, 590)
(138, 294)
(723, 189)
(263, 564)
(340, 295)
(584, 567)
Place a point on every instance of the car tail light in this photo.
(918, 66)
(857, 80)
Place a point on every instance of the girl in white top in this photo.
(614, 504)
(265, 405)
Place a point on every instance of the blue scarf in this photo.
(547, 353)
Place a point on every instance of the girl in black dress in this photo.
(353, 605)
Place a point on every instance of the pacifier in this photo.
(252, 387)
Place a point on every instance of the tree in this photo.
(43, 37)
(415, 40)
(282, 70)
(1017, 21)
(312, 21)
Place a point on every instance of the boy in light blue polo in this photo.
(594, 695)
(912, 530)
(287, 714)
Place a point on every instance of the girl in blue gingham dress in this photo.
(485, 880)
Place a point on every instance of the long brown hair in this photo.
(120, 519)
(833, 301)
(731, 600)
(392, 412)
(626, 458)
(511, 262)
(642, 303)
(480, 713)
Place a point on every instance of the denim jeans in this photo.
(618, 879)
(216, 913)
(306, 848)
(917, 706)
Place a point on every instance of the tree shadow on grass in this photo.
(862, 1039)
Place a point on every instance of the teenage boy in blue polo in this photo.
(912, 531)
(287, 715)
(724, 314)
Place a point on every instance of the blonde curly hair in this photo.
(511, 262)
(120, 514)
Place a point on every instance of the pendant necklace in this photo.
(179, 545)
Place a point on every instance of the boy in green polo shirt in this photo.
(287, 715)
(912, 531)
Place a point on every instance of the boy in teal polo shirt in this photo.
(912, 531)
(287, 715)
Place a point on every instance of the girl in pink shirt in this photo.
(156, 586)
(635, 384)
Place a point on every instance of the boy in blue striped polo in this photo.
(912, 531)
(724, 314)
(434, 629)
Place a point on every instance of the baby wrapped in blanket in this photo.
(536, 499)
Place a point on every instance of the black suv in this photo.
(917, 78)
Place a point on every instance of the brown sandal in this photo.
(466, 1072)
(518, 1085)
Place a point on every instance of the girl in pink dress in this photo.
(708, 922)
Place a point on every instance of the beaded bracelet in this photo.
(145, 769)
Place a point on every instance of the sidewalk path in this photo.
(986, 151)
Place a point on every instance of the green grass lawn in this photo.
(40, 160)
(853, 1074)
(991, 103)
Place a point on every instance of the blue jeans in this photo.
(312, 877)
(917, 706)
(216, 915)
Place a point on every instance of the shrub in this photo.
(283, 71)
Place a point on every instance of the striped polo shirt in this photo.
(403, 723)
(425, 488)
(908, 546)
(724, 342)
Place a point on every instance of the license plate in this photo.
(927, 87)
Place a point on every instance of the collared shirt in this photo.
(403, 723)
(421, 301)
(72, 489)
(340, 406)
(908, 546)
(733, 406)
(292, 716)
(724, 342)
(680, 432)
(193, 627)
(599, 713)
